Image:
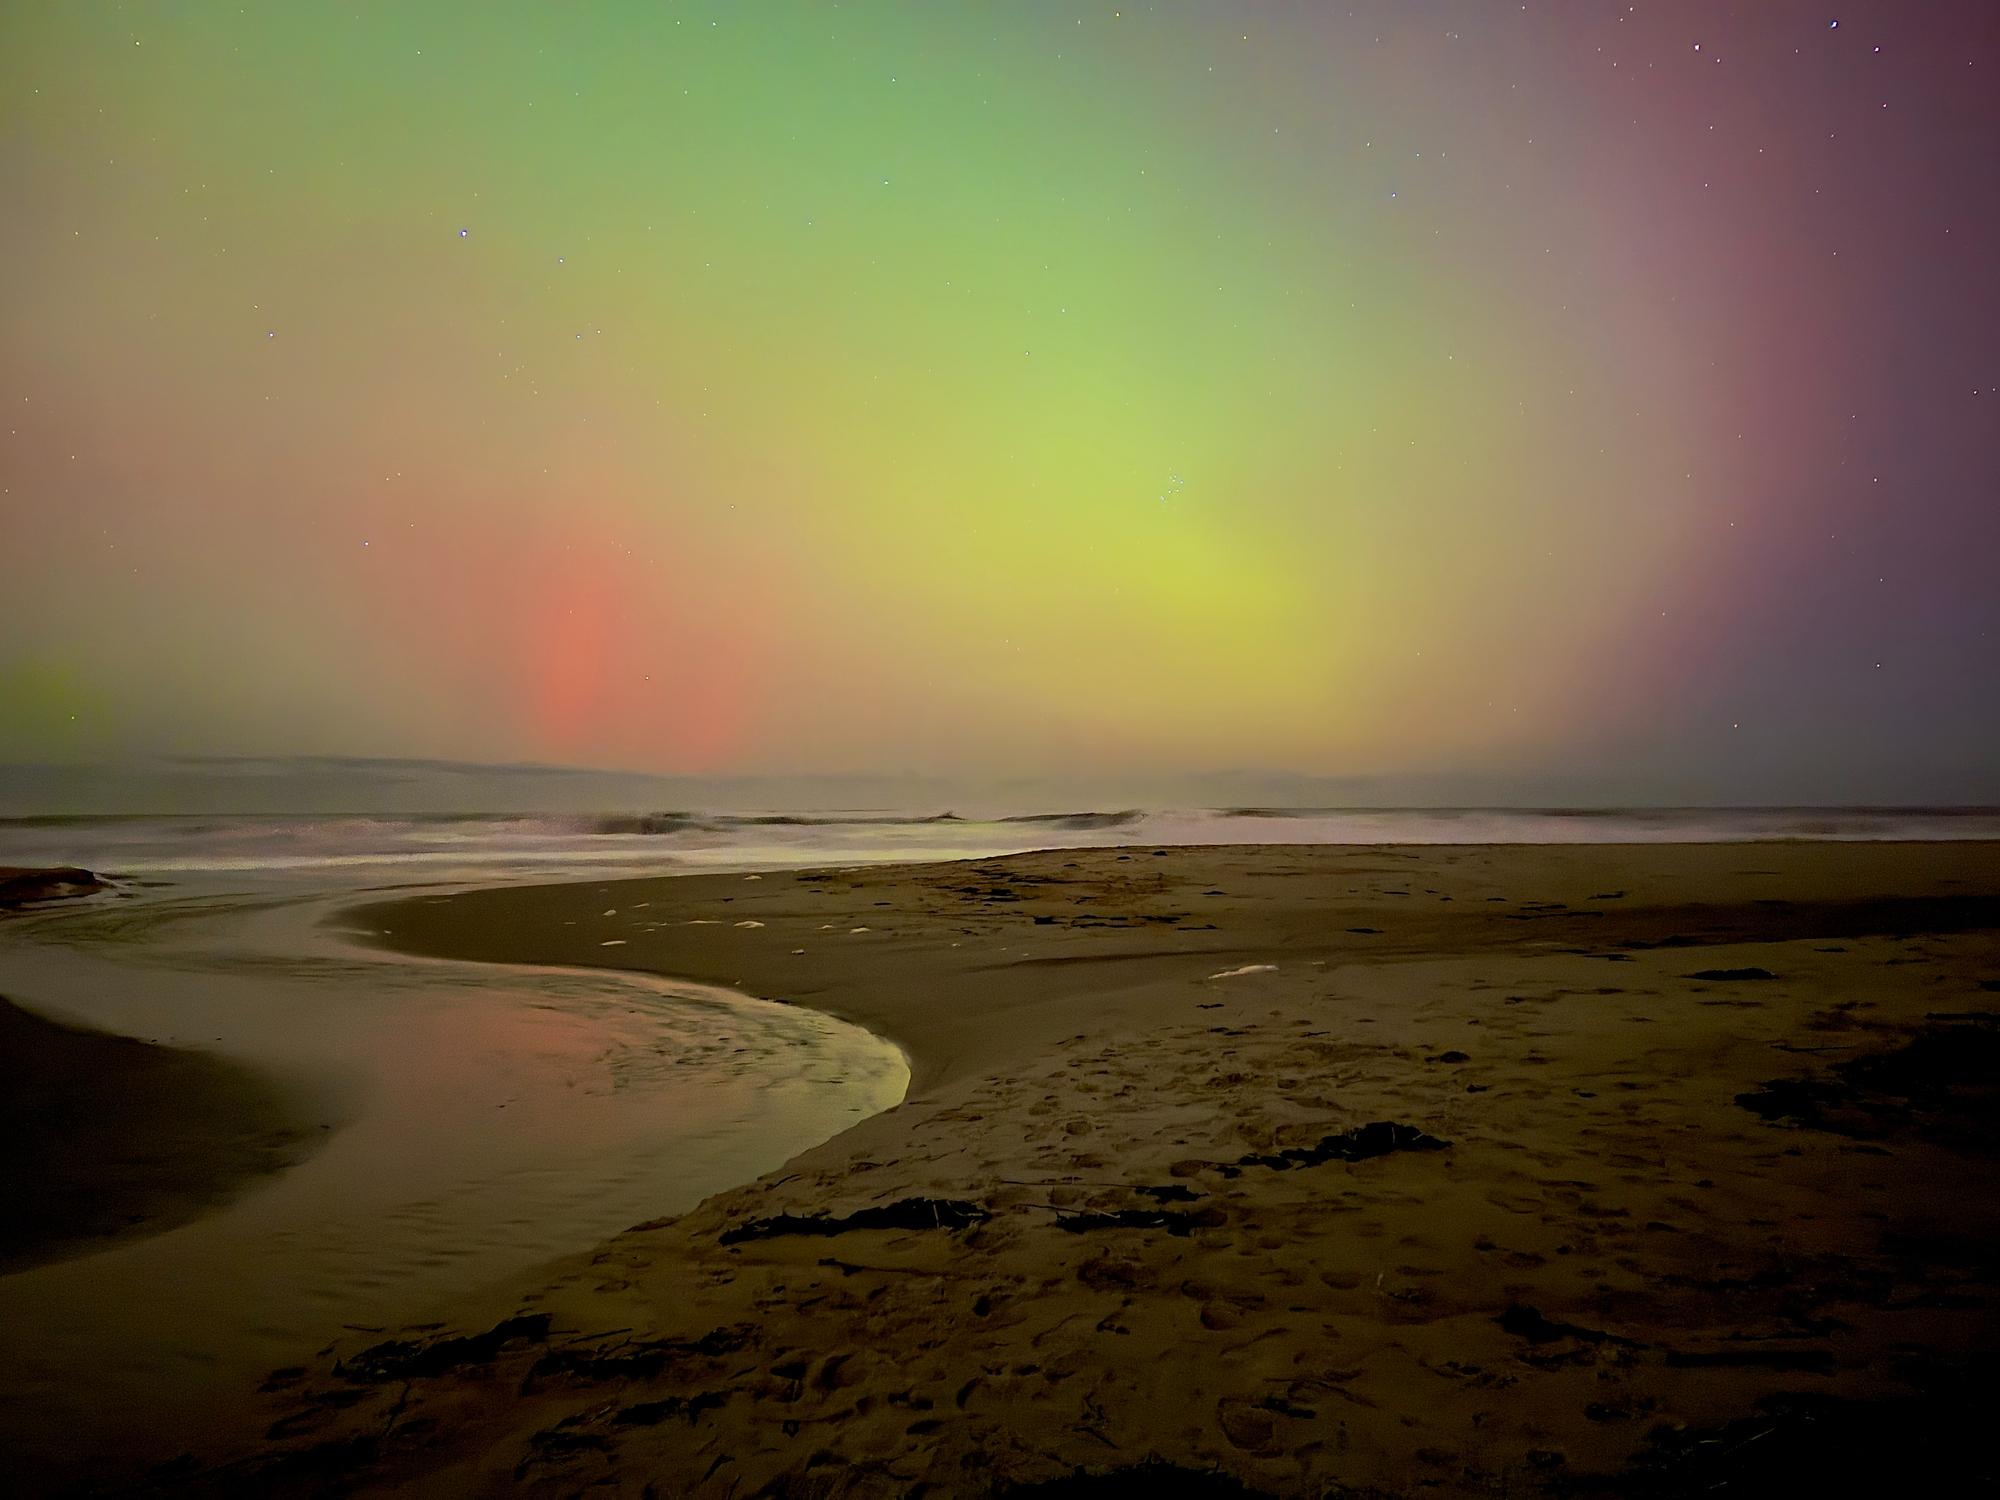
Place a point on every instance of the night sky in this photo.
(1563, 390)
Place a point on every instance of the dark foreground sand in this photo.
(1577, 1170)
(103, 1138)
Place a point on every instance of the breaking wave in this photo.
(494, 848)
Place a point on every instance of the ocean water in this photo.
(273, 852)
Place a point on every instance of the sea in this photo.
(351, 851)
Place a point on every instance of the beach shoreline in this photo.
(1391, 1168)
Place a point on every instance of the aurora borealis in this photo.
(1607, 390)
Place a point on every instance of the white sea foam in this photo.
(207, 853)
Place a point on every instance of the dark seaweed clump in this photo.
(1941, 1086)
(906, 1213)
(1362, 1143)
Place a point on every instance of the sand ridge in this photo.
(1134, 1073)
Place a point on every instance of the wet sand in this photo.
(477, 1121)
(1577, 1170)
(107, 1138)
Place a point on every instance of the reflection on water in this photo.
(493, 1118)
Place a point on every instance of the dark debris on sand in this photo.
(416, 1359)
(1941, 1086)
(22, 887)
(634, 1359)
(905, 1213)
(1537, 1327)
(1363, 1143)
(1180, 1222)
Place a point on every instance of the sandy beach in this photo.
(1309, 1170)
